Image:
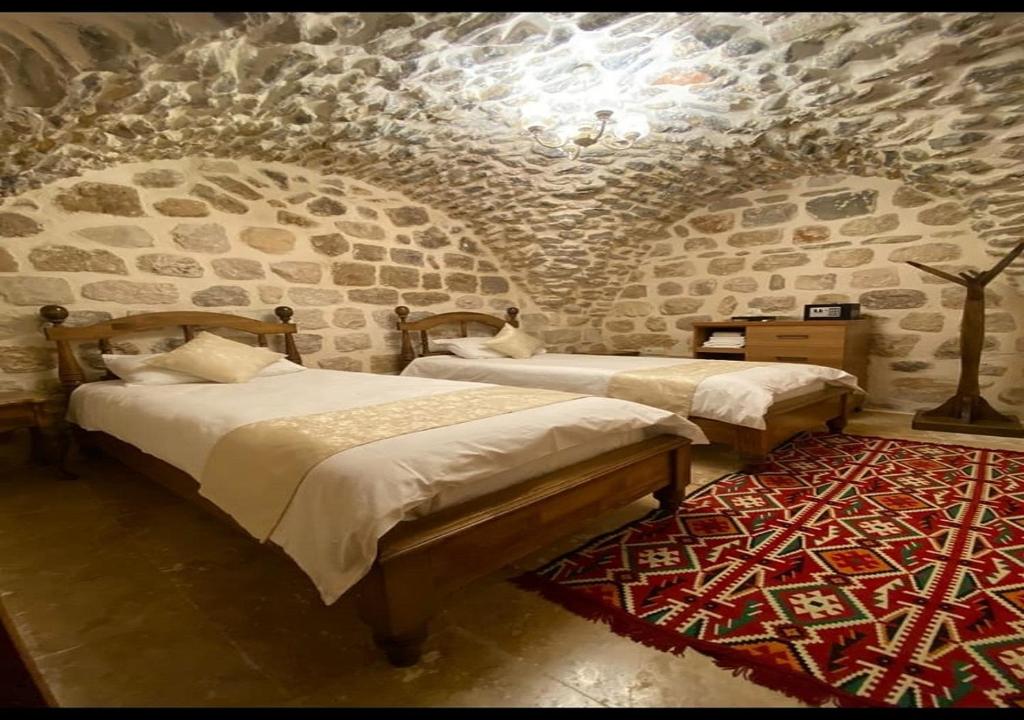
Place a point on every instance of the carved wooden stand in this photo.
(967, 411)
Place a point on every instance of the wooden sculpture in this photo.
(967, 411)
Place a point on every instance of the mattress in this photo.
(740, 398)
(350, 500)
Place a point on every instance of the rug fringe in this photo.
(807, 690)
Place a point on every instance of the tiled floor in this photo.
(127, 595)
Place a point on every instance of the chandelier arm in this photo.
(536, 137)
(600, 130)
(618, 143)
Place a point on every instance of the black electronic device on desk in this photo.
(832, 311)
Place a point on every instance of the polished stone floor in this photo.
(126, 595)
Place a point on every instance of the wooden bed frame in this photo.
(830, 406)
(419, 560)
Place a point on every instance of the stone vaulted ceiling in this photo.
(429, 104)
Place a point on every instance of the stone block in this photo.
(127, 292)
(314, 296)
(923, 321)
(755, 238)
(158, 178)
(332, 245)
(370, 253)
(493, 285)
(182, 207)
(66, 258)
(205, 237)
(220, 201)
(870, 225)
(892, 299)
(681, 306)
(273, 241)
(849, 258)
(460, 282)
(769, 215)
(779, 261)
(102, 198)
(361, 230)
(892, 345)
(726, 265)
(823, 281)
(325, 207)
(874, 278)
(349, 318)
(407, 216)
(402, 277)
(18, 225)
(810, 234)
(843, 205)
(374, 296)
(714, 223)
(170, 265)
(27, 359)
(928, 254)
(117, 235)
(948, 213)
(221, 295)
(238, 269)
(298, 272)
(354, 274)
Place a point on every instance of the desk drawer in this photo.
(825, 336)
(795, 353)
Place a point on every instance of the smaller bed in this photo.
(752, 409)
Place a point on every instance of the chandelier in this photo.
(572, 136)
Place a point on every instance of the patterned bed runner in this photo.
(253, 472)
(671, 387)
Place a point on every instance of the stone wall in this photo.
(831, 239)
(235, 237)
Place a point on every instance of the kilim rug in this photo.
(861, 570)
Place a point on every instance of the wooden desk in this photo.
(840, 344)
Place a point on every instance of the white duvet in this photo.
(740, 398)
(347, 502)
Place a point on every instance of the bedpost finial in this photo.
(403, 313)
(284, 313)
(513, 316)
(55, 314)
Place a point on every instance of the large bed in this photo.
(753, 408)
(401, 519)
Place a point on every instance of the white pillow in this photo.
(284, 366)
(218, 359)
(471, 348)
(515, 343)
(134, 369)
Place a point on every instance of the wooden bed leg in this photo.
(752, 445)
(838, 423)
(671, 497)
(397, 601)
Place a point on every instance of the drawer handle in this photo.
(790, 358)
(793, 337)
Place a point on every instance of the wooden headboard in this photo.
(462, 319)
(70, 372)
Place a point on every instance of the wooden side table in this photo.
(28, 410)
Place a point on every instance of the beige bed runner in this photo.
(254, 471)
(671, 387)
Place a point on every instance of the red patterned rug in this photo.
(861, 570)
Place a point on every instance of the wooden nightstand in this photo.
(29, 410)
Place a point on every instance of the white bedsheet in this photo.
(741, 398)
(350, 500)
